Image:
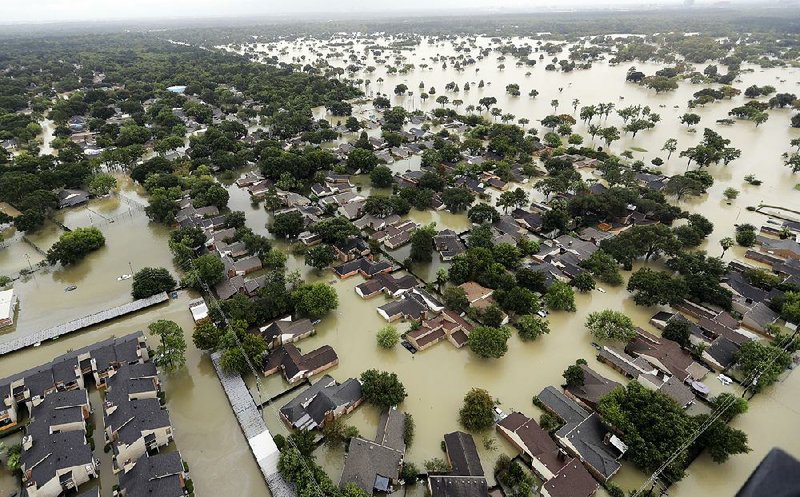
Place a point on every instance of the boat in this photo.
(125, 277)
(724, 379)
(70, 288)
(601, 290)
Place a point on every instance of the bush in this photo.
(73, 246)
(477, 413)
(150, 281)
(388, 337)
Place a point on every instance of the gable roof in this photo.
(463, 454)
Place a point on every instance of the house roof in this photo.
(156, 475)
(537, 442)
(51, 453)
(665, 355)
(131, 419)
(463, 454)
(571, 481)
(587, 438)
(458, 486)
(366, 462)
(391, 428)
(594, 388)
(566, 408)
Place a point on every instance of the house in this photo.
(386, 283)
(135, 428)
(133, 382)
(395, 235)
(161, 475)
(563, 475)
(448, 244)
(351, 249)
(572, 480)
(595, 387)
(466, 478)
(363, 266)
(57, 463)
(414, 304)
(594, 445)
(71, 198)
(480, 297)
(584, 435)
(669, 386)
(283, 331)
(296, 366)
(666, 356)
(248, 179)
(375, 466)
(785, 249)
(199, 310)
(447, 325)
(61, 412)
(8, 306)
(626, 364)
(321, 402)
(759, 317)
(376, 223)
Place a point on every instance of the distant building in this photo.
(8, 305)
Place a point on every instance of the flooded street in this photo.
(436, 379)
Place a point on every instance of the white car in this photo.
(541, 313)
(724, 379)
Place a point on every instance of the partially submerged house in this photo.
(584, 435)
(563, 475)
(466, 477)
(285, 330)
(322, 402)
(374, 466)
(448, 325)
(296, 366)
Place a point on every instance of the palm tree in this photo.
(523, 121)
(457, 103)
(470, 108)
(496, 112)
(575, 104)
(725, 243)
(554, 105)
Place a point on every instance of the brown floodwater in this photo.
(438, 378)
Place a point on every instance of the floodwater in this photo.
(436, 379)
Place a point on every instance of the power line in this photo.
(719, 411)
(255, 374)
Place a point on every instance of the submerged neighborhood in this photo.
(238, 249)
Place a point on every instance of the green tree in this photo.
(761, 363)
(206, 336)
(530, 327)
(560, 297)
(457, 199)
(210, 269)
(74, 245)
(455, 298)
(288, 224)
(583, 282)
(726, 243)
(314, 300)
(746, 235)
(677, 331)
(650, 287)
(422, 244)
(320, 256)
(381, 177)
(603, 267)
(574, 375)
(382, 389)
(610, 325)
(102, 183)
(362, 160)
(489, 342)
(150, 281)
(477, 412)
(388, 337)
(171, 350)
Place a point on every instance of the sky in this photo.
(33, 11)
